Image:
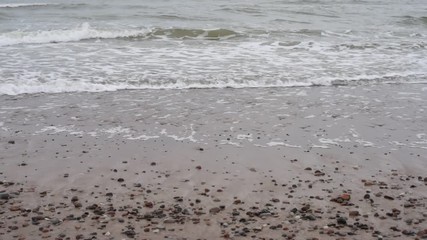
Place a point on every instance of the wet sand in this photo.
(346, 162)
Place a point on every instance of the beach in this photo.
(322, 162)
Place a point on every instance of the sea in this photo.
(56, 46)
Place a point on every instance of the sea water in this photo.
(94, 45)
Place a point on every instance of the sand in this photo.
(344, 162)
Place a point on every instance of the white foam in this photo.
(84, 31)
(180, 138)
(334, 141)
(273, 144)
(115, 131)
(141, 137)
(365, 143)
(319, 146)
(245, 137)
(17, 5)
(59, 129)
(227, 142)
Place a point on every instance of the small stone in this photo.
(148, 204)
(74, 199)
(120, 180)
(369, 183)
(354, 213)
(422, 234)
(129, 233)
(310, 217)
(55, 221)
(4, 196)
(153, 164)
(169, 220)
(214, 210)
(341, 221)
(77, 204)
(408, 233)
(11, 141)
(15, 208)
(13, 227)
(388, 197)
(345, 197)
(199, 167)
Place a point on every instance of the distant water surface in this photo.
(94, 45)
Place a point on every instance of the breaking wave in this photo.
(18, 5)
(68, 85)
(86, 32)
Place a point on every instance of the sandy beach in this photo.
(343, 162)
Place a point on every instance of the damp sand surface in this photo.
(345, 162)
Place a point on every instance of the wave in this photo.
(18, 5)
(410, 20)
(86, 32)
(68, 86)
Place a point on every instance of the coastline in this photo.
(216, 163)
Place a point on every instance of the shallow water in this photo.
(61, 46)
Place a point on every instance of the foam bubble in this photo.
(17, 5)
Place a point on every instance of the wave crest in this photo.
(18, 5)
(86, 32)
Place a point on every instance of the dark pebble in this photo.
(341, 221)
(4, 196)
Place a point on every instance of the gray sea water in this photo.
(94, 45)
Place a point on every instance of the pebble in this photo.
(354, 213)
(214, 210)
(4, 196)
(341, 221)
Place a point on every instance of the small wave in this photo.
(410, 20)
(180, 33)
(64, 86)
(69, 35)
(86, 32)
(18, 5)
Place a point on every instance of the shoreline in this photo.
(215, 163)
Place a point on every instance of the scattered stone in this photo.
(129, 233)
(388, 197)
(422, 234)
(318, 173)
(342, 221)
(354, 213)
(148, 204)
(4, 196)
(14, 208)
(214, 210)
